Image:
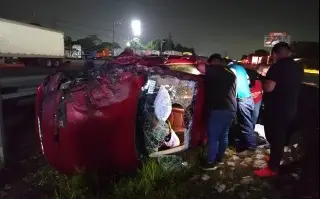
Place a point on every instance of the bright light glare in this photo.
(136, 27)
(128, 44)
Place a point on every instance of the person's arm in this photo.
(202, 68)
(248, 78)
(271, 79)
(233, 70)
(269, 85)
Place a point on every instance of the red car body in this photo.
(91, 124)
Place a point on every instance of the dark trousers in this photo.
(218, 125)
(245, 111)
(276, 128)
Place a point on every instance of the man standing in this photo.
(221, 107)
(281, 92)
(245, 109)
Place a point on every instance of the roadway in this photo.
(21, 70)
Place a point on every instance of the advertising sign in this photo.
(274, 38)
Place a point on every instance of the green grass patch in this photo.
(154, 180)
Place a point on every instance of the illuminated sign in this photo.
(274, 38)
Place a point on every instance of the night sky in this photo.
(232, 27)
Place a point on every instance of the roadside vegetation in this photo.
(232, 179)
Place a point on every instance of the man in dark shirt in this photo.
(281, 92)
(220, 106)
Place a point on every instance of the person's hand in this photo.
(256, 94)
(201, 68)
(262, 70)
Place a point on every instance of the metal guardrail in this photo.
(28, 81)
(25, 86)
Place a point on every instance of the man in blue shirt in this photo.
(245, 109)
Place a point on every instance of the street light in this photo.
(136, 27)
(128, 44)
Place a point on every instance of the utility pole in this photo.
(113, 30)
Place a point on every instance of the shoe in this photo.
(266, 172)
(208, 166)
(246, 153)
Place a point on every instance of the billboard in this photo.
(274, 38)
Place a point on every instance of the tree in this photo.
(107, 45)
(95, 39)
(154, 45)
(261, 53)
(136, 44)
(67, 43)
(116, 45)
(90, 43)
(167, 45)
(182, 49)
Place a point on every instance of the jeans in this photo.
(245, 112)
(255, 113)
(218, 125)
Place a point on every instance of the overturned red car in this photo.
(105, 118)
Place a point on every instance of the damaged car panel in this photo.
(103, 118)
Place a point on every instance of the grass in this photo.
(232, 179)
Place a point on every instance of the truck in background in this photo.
(31, 44)
(74, 53)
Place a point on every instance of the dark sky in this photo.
(232, 27)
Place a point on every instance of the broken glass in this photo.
(182, 92)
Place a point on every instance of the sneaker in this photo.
(208, 166)
(266, 172)
(246, 153)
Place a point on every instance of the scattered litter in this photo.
(260, 130)
(205, 177)
(260, 156)
(3, 193)
(231, 164)
(259, 164)
(194, 177)
(244, 164)
(234, 158)
(268, 151)
(185, 164)
(248, 160)
(7, 187)
(220, 188)
(295, 145)
(233, 188)
(296, 176)
(246, 180)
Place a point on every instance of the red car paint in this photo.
(99, 134)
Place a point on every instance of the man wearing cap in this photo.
(281, 92)
(220, 106)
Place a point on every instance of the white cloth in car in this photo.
(174, 140)
(163, 104)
